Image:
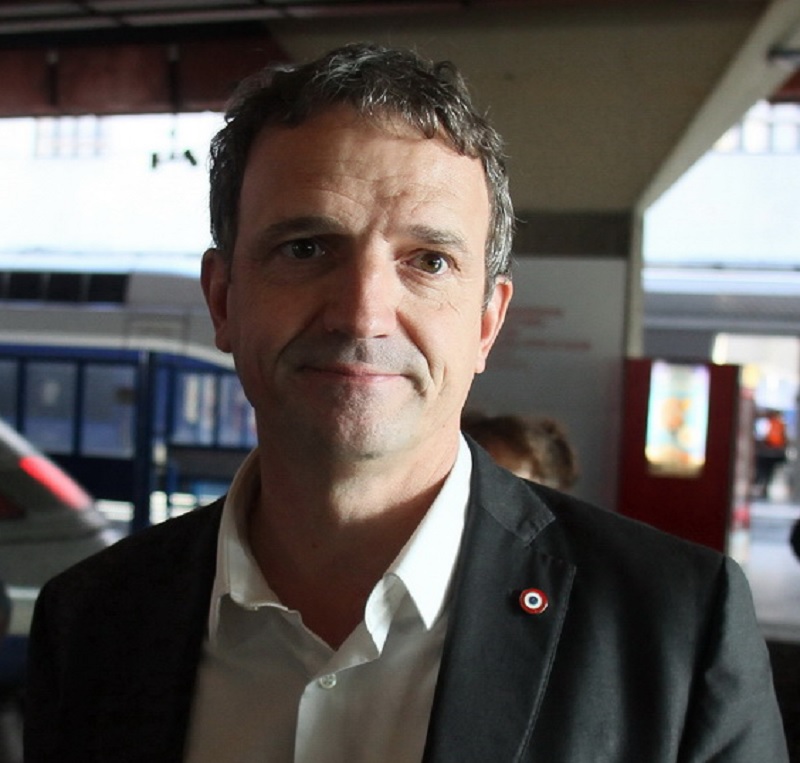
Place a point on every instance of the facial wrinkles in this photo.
(375, 199)
(373, 180)
(338, 353)
(391, 213)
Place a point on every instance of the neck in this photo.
(337, 530)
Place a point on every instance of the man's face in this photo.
(354, 302)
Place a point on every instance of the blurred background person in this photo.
(556, 458)
(535, 449)
(770, 447)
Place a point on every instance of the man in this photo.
(373, 588)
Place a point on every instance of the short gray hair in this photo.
(375, 81)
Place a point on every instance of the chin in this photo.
(367, 445)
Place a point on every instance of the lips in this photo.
(355, 371)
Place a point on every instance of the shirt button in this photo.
(328, 681)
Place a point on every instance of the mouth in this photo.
(353, 372)
(355, 364)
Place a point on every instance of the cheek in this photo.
(250, 330)
(454, 356)
(255, 309)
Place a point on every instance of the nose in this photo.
(364, 296)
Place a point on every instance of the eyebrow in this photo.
(443, 237)
(306, 225)
(313, 225)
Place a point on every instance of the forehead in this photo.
(340, 145)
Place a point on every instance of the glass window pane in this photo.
(195, 397)
(109, 397)
(49, 421)
(8, 391)
(786, 138)
(236, 416)
(756, 134)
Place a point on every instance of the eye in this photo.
(302, 249)
(432, 262)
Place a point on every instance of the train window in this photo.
(108, 411)
(107, 287)
(65, 287)
(236, 417)
(8, 391)
(195, 404)
(25, 286)
(49, 416)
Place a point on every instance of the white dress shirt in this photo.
(269, 690)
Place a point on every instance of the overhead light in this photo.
(204, 16)
(56, 25)
(26, 10)
(128, 6)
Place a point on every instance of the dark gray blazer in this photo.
(648, 651)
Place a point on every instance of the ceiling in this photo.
(636, 90)
(28, 23)
(102, 17)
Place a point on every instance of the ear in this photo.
(215, 280)
(492, 320)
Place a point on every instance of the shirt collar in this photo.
(238, 574)
(424, 566)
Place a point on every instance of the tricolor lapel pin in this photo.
(533, 601)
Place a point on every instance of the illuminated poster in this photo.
(677, 419)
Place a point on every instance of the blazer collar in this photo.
(497, 656)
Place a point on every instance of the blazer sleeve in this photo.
(733, 714)
(114, 647)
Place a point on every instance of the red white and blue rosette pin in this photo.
(533, 601)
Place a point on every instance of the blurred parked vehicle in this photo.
(47, 523)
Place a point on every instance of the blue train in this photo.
(115, 377)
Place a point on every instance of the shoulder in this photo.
(140, 562)
(577, 531)
(589, 528)
(180, 535)
(610, 555)
(648, 578)
(610, 545)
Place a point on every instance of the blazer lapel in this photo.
(497, 656)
